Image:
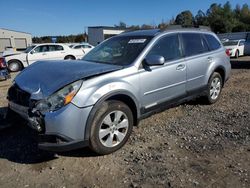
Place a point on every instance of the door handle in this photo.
(210, 59)
(44, 54)
(180, 67)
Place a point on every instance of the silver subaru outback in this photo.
(96, 102)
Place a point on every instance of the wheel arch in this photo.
(70, 55)
(123, 96)
(221, 70)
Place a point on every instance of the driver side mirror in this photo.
(154, 60)
(31, 52)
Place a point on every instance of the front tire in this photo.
(14, 66)
(214, 88)
(111, 127)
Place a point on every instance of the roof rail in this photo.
(197, 27)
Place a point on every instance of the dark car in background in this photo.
(4, 73)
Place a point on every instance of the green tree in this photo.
(80, 38)
(163, 25)
(185, 18)
(146, 26)
(121, 25)
(201, 18)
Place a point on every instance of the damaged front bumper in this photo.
(61, 130)
(4, 74)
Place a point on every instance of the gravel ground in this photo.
(192, 145)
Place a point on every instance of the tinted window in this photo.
(58, 48)
(193, 45)
(213, 43)
(168, 47)
(52, 48)
(78, 47)
(39, 49)
(86, 46)
(242, 43)
(205, 44)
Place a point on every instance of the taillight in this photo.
(2, 62)
(228, 52)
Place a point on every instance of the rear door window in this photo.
(58, 48)
(193, 44)
(52, 48)
(78, 47)
(213, 43)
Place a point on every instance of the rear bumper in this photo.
(4, 74)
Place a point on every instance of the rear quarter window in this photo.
(213, 43)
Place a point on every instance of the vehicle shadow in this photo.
(241, 64)
(84, 152)
(19, 144)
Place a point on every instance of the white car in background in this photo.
(48, 51)
(86, 47)
(235, 47)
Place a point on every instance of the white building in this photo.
(14, 39)
(100, 33)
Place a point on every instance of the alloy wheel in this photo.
(113, 129)
(215, 88)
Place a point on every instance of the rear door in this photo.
(56, 52)
(241, 47)
(198, 58)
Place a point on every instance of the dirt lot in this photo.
(192, 145)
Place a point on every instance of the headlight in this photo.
(60, 98)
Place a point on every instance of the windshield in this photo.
(121, 50)
(29, 48)
(231, 43)
(71, 46)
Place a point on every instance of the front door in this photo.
(38, 53)
(165, 82)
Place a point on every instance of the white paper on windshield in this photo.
(137, 41)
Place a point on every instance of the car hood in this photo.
(13, 54)
(10, 53)
(43, 78)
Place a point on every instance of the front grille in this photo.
(18, 96)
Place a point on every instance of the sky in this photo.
(64, 17)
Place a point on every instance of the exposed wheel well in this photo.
(221, 71)
(73, 57)
(128, 101)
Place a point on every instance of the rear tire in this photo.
(111, 127)
(14, 66)
(214, 88)
(237, 54)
